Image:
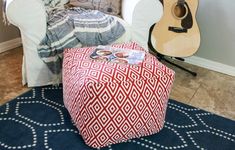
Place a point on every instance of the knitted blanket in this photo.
(76, 27)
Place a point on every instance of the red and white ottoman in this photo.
(111, 102)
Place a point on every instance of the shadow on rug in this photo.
(38, 120)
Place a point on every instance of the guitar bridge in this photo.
(178, 29)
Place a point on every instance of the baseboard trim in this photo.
(211, 65)
(11, 44)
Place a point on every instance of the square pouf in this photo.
(111, 102)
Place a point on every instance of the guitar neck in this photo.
(181, 2)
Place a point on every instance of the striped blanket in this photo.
(76, 27)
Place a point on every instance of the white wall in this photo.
(216, 19)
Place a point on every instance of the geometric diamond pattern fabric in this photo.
(185, 128)
(112, 102)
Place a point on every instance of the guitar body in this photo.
(177, 33)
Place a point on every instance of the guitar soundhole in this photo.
(180, 11)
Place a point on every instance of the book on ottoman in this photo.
(113, 102)
(118, 55)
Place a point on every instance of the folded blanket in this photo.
(76, 27)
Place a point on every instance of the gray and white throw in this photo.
(76, 27)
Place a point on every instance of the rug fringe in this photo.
(56, 79)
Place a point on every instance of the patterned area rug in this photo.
(38, 120)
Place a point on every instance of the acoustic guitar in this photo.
(177, 33)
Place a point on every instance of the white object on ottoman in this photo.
(112, 102)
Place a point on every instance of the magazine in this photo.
(118, 55)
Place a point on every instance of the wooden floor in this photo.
(211, 91)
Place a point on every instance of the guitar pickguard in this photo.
(187, 22)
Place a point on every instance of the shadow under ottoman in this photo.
(111, 102)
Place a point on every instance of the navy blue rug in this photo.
(38, 120)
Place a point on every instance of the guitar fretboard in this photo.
(181, 2)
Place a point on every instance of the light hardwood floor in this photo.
(211, 91)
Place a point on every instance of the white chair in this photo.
(30, 17)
